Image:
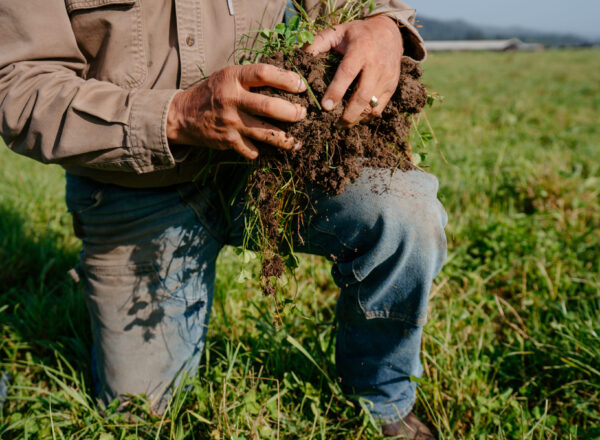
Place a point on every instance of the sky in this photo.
(580, 17)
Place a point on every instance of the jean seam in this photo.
(394, 316)
(378, 313)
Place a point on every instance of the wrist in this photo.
(384, 20)
(390, 24)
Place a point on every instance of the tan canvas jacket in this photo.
(87, 83)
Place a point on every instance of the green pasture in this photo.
(512, 345)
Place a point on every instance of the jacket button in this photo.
(190, 40)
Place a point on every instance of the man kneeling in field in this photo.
(113, 90)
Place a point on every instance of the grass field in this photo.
(512, 346)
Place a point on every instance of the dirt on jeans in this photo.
(331, 156)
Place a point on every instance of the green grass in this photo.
(512, 346)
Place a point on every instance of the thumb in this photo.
(331, 38)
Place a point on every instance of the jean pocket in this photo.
(82, 194)
(87, 203)
(81, 205)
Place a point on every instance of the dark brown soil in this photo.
(328, 157)
(331, 156)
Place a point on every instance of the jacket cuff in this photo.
(414, 46)
(147, 131)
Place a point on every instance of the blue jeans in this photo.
(148, 265)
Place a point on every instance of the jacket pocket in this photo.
(110, 35)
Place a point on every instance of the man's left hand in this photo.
(372, 48)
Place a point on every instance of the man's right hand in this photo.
(222, 113)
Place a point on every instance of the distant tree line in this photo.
(434, 29)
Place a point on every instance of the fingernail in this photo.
(297, 145)
(301, 85)
(328, 104)
(303, 113)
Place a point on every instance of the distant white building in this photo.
(481, 45)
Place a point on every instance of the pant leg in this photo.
(385, 235)
(148, 265)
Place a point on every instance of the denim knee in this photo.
(386, 235)
(390, 229)
(401, 215)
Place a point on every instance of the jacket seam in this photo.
(73, 5)
(131, 128)
(141, 70)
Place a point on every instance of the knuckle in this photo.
(230, 138)
(228, 73)
(279, 143)
(266, 107)
(347, 69)
(261, 72)
(244, 73)
(271, 136)
(319, 38)
(229, 119)
(362, 98)
(229, 70)
(215, 81)
(370, 45)
(391, 85)
(225, 98)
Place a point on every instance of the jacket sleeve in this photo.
(50, 113)
(414, 46)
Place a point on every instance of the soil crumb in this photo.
(272, 267)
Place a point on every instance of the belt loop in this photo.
(75, 274)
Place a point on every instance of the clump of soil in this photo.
(331, 156)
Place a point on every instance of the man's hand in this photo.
(221, 112)
(372, 48)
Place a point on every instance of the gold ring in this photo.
(374, 102)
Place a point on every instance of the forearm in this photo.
(53, 116)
